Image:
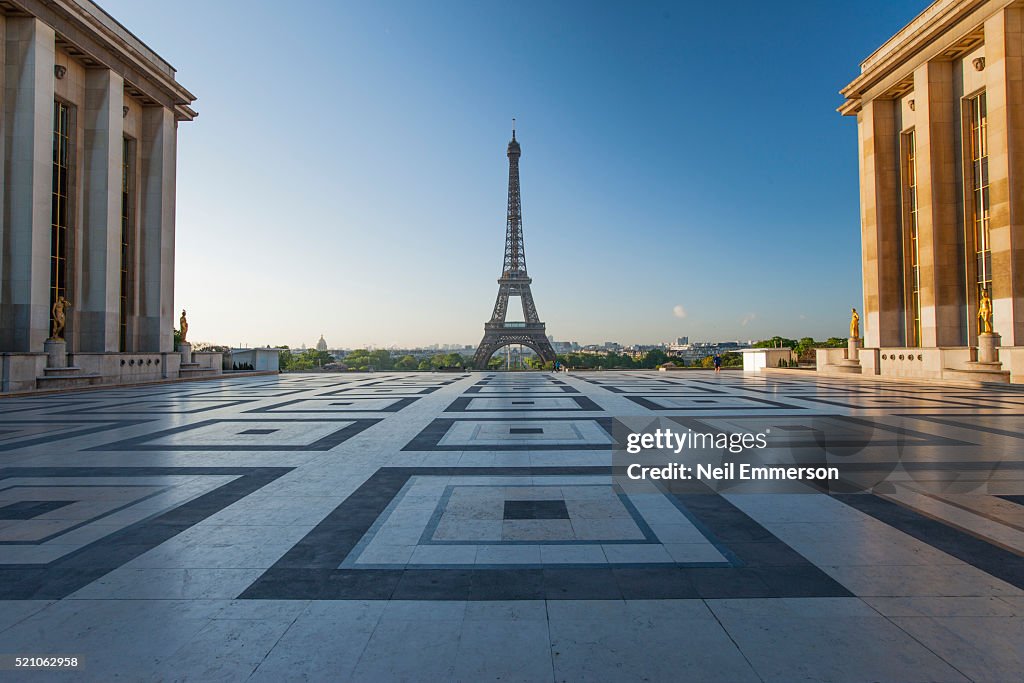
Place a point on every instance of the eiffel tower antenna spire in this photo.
(514, 281)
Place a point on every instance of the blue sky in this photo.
(684, 171)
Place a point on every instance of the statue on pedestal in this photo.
(183, 327)
(985, 313)
(59, 313)
(854, 324)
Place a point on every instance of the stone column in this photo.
(853, 348)
(1004, 88)
(880, 222)
(157, 150)
(28, 142)
(99, 306)
(935, 109)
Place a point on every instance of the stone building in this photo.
(940, 118)
(90, 118)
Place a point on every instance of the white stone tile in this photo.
(784, 641)
(508, 554)
(572, 554)
(636, 553)
(694, 552)
(444, 555)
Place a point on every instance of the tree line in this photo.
(363, 360)
(803, 347)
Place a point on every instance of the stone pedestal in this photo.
(987, 369)
(56, 353)
(988, 347)
(186, 353)
(850, 364)
(853, 348)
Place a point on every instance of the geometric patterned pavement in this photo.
(418, 526)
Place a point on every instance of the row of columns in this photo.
(28, 54)
(941, 204)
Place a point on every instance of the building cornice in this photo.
(944, 29)
(88, 33)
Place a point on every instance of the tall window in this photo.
(910, 239)
(978, 203)
(127, 167)
(60, 212)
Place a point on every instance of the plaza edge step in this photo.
(66, 378)
(977, 376)
(195, 370)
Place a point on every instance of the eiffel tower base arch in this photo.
(495, 339)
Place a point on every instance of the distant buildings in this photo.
(699, 350)
(322, 344)
(685, 350)
(564, 347)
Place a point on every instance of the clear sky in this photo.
(684, 170)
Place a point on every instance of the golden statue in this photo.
(854, 324)
(183, 327)
(985, 313)
(59, 314)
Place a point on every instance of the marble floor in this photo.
(433, 527)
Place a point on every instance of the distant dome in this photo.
(321, 345)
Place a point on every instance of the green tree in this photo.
(654, 358)
(776, 342)
(381, 360)
(622, 360)
(363, 359)
(406, 363)
(454, 360)
(359, 360)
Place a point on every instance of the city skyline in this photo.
(351, 181)
(457, 346)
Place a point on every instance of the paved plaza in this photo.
(433, 526)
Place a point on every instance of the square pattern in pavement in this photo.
(431, 526)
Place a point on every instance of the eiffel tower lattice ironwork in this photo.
(513, 282)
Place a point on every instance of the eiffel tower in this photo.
(513, 282)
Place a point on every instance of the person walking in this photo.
(718, 363)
